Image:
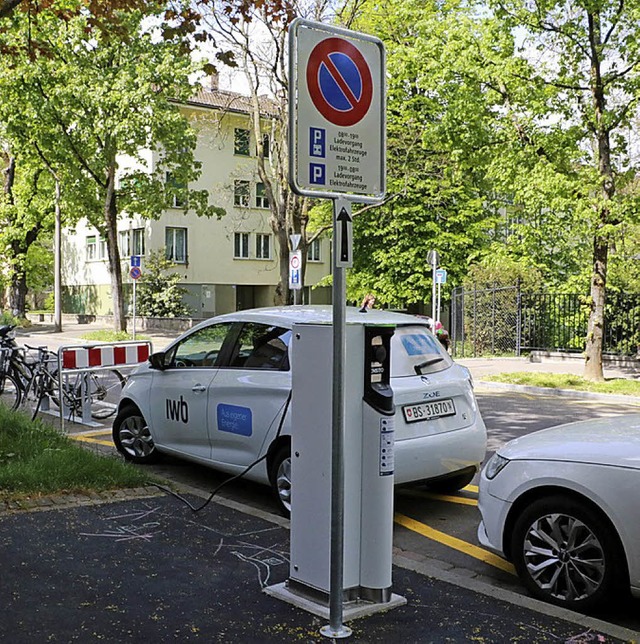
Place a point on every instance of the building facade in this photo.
(225, 264)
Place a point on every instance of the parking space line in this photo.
(454, 543)
(460, 500)
(83, 438)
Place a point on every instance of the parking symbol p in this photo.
(317, 139)
(317, 173)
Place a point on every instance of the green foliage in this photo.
(36, 459)
(103, 103)
(501, 269)
(158, 294)
(8, 318)
(440, 122)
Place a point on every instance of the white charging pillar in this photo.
(368, 471)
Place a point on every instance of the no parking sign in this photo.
(337, 122)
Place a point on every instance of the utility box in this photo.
(368, 463)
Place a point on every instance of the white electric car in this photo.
(562, 505)
(219, 395)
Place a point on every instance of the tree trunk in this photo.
(595, 331)
(18, 294)
(115, 268)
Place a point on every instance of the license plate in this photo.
(428, 411)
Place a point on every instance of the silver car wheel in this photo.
(564, 557)
(135, 437)
(283, 483)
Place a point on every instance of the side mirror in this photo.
(156, 360)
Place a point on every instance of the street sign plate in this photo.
(135, 273)
(135, 260)
(295, 270)
(337, 113)
(441, 276)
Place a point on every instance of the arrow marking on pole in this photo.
(344, 220)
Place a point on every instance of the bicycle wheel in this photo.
(105, 388)
(35, 393)
(9, 392)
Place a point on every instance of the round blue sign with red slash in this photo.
(135, 272)
(339, 81)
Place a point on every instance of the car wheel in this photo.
(451, 483)
(132, 437)
(566, 554)
(280, 477)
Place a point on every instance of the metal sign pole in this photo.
(434, 266)
(133, 335)
(336, 629)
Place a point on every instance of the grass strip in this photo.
(619, 386)
(35, 460)
(105, 335)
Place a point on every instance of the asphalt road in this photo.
(441, 531)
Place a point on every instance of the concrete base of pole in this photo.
(351, 609)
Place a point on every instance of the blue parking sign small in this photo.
(317, 173)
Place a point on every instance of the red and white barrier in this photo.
(104, 355)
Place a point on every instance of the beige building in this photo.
(226, 264)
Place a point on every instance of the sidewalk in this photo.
(481, 367)
(71, 334)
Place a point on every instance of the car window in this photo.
(260, 346)
(415, 350)
(200, 349)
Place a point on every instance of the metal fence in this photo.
(508, 321)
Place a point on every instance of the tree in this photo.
(441, 129)
(260, 52)
(100, 96)
(159, 295)
(26, 210)
(587, 56)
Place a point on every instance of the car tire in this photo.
(280, 477)
(451, 483)
(567, 554)
(132, 437)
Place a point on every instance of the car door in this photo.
(248, 396)
(179, 392)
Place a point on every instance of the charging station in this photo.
(368, 471)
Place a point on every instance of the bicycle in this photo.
(10, 392)
(23, 381)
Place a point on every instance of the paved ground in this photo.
(145, 568)
(148, 569)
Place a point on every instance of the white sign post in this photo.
(295, 272)
(337, 150)
(135, 273)
(440, 278)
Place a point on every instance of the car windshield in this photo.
(416, 351)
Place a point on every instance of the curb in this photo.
(549, 391)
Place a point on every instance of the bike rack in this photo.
(85, 358)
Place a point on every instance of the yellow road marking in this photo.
(455, 543)
(90, 439)
(460, 500)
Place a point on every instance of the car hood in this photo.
(603, 441)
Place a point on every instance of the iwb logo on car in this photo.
(177, 409)
(234, 419)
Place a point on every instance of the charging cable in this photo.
(284, 407)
